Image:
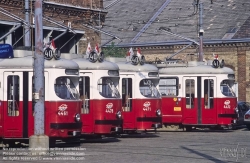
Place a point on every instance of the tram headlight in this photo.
(77, 117)
(236, 110)
(119, 115)
(158, 112)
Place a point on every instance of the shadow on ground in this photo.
(100, 140)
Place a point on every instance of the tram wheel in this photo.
(248, 126)
(188, 128)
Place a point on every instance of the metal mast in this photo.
(201, 31)
(39, 139)
(27, 19)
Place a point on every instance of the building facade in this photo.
(68, 19)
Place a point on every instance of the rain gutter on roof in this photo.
(182, 42)
(145, 27)
(75, 7)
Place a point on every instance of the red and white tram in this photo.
(197, 95)
(141, 100)
(99, 81)
(62, 102)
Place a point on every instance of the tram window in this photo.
(65, 87)
(168, 86)
(126, 94)
(13, 92)
(84, 84)
(148, 88)
(107, 87)
(226, 88)
(190, 90)
(209, 93)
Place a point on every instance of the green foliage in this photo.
(113, 51)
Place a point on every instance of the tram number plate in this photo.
(109, 110)
(147, 109)
(62, 113)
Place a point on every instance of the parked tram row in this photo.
(95, 96)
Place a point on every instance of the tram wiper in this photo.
(231, 90)
(70, 90)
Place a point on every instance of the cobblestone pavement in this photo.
(201, 146)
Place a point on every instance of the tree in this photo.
(113, 51)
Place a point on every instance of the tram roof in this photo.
(24, 59)
(194, 69)
(128, 66)
(85, 64)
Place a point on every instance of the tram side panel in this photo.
(171, 110)
(171, 100)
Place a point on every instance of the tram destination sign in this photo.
(135, 60)
(49, 54)
(93, 57)
(216, 63)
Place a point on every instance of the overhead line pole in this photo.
(201, 31)
(27, 28)
(39, 139)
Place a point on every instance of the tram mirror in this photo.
(48, 54)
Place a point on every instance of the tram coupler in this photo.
(76, 133)
(157, 125)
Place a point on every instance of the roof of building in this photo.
(139, 22)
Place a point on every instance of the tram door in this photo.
(87, 114)
(209, 113)
(199, 100)
(190, 111)
(127, 96)
(13, 111)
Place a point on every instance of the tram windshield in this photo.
(148, 88)
(107, 87)
(65, 87)
(226, 88)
